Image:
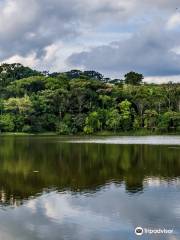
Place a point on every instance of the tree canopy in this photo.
(84, 102)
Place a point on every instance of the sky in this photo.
(109, 36)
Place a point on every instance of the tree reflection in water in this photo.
(30, 165)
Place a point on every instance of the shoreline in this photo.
(98, 134)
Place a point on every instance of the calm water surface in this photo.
(89, 189)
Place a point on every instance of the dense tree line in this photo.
(76, 102)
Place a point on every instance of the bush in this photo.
(169, 121)
(7, 123)
(26, 129)
(62, 128)
(137, 123)
(88, 130)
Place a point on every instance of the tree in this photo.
(136, 123)
(105, 100)
(125, 115)
(77, 101)
(62, 128)
(27, 86)
(113, 122)
(19, 105)
(15, 71)
(21, 109)
(133, 78)
(6, 123)
(150, 119)
(141, 100)
(169, 121)
(78, 122)
(1, 106)
(92, 123)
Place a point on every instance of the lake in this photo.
(55, 188)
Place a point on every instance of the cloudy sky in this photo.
(110, 36)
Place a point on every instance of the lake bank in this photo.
(102, 133)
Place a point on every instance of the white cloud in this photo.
(164, 79)
(29, 60)
(45, 33)
(174, 21)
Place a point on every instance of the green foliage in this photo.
(136, 123)
(88, 130)
(12, 72)
(170, 120)
(76, 102)
(27, 86)
(18, 105)
(92, 123)
(150, 119)
(62, 128)
(114, 118)
(125, 116)
(26, 129)
(6, 123)
(78, 122)
(105, 100)
(19, 122)
(133, 78)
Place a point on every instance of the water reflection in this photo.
(50, 189)
(29, 165)
(107, 214)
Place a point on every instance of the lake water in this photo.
(54, 188)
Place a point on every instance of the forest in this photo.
(85, 102)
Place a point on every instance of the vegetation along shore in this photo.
(84, 102)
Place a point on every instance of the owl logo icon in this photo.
(139, 231)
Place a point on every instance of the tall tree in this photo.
(133, 78)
